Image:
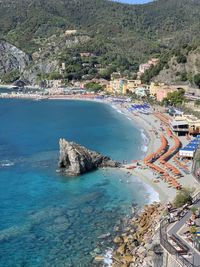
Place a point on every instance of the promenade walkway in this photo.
(174, 230)
(192, 257)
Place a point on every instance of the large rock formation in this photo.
(75, 159)
(12, 58)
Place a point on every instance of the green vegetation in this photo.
(10, 76)
(54, 76)
(182, 197)
(197, 79)
(197, 102)
(155, 70)
(121, 36)
(193, 209)
(175, 98)
(174, 57)
(181, 59)
(193, 229)
(184, 76)
(92, 86)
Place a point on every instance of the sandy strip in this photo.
(150, 124)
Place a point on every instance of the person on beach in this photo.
(172, 219)
(168, 218)
(169, 206)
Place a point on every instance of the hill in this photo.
(119, 35)
(178, 66)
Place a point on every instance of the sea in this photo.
(47, 219)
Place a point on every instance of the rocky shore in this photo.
(135, 245)
(75, 159)
(136, 242)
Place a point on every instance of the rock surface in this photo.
(134, 244)
(12, 58)
(75, 159)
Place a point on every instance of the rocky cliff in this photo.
(75, 159)
(12, 58)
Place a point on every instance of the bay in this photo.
(48, 219)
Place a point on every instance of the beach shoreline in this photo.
(140, 122)
(147, 124)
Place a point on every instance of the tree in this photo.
(183, 197)
(10, 76)
(92, 86)
(197, 102)
(175, 98)
(197, 79)
(184, 76)
(54, 75)
(181, 58)
(106, 73)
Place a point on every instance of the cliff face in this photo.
(75, 159)
(12, 58)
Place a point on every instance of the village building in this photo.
(86, 54)
(124, 86)
(132, 85)
(163, 92)
(186, 124)
(142, 91)
(70, 32)
(145, 66)
(117, 86)
(160, 90)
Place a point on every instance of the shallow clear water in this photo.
(50, 220)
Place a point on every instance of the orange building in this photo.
(162, 92)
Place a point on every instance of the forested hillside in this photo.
(121, 34)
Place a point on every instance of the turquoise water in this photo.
(50, 220)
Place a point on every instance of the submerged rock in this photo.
(75, 159)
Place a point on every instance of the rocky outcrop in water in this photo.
(75, 159)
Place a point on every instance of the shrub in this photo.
(10, 76)
(197, 79)
(193, 229)
(181, 59)
(183, 197)
(92, 86)
(194, 209)
(197, 102)
(184, 76)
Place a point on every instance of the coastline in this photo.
(149, 147)
(149, 126)
(130, 231)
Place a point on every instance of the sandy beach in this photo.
(151, 130)
(150, 124)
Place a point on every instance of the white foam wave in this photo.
(108, 258)
(152, 194)
(145, 141)
(117, 109)
(6, 163)
(144, 148)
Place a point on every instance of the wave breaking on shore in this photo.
(145, 139)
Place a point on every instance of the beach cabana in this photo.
(187, 152)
